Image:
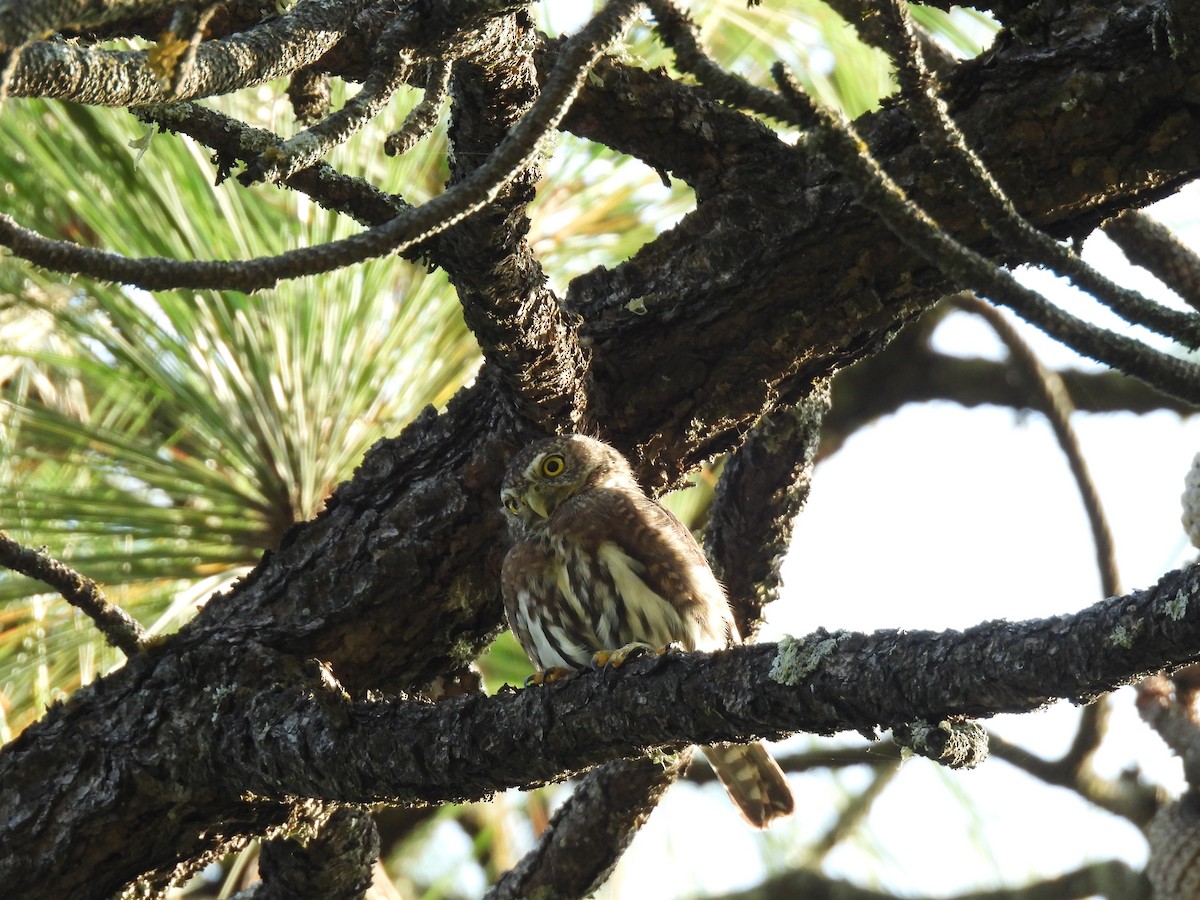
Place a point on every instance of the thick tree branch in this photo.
(837, 138)
(894, 33)
(785, 249)
(258, 724)
(22, 21)
(333, 857)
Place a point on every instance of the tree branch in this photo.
(468, 196)
(388, 76)
(332, 856)
(253, 722)
(909, 370)
(1152, 246)
(894, 33)
(1049, 395)
(118, 627)
(1125, 797)
(762, 489)
(424, 116)
(1114, 880)
(587, 836)
(277, 47)
(518, 321)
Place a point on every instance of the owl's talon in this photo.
(547, 676)
(614, 659)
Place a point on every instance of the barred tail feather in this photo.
(753, 780)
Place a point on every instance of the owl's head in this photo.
(547, 473)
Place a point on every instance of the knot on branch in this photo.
(956, 745)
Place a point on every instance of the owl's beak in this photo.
(538, 504)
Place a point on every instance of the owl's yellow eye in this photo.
(553, 465)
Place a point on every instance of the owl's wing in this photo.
(547, 632)
(645, 546)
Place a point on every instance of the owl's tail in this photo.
(753, 780)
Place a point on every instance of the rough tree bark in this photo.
(776, 281)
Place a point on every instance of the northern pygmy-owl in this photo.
(598, 567)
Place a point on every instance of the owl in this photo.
(599, 570)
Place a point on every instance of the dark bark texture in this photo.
(777, 281)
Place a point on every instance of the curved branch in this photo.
(302, 150)
(470, 195)
(762, 489)
(1051, 397)
(424, 116)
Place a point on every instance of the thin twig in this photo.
(424, 116)
(233, 140)
(1052, 399)
(849, 818)
(118, 627)
(471, 194)
(305, 148)
(837, 139)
